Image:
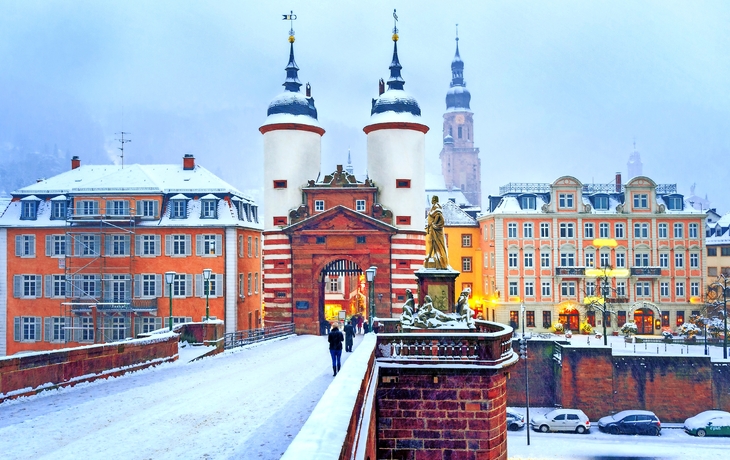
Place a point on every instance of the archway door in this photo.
(644, 319)
(349, 297)
(570, 318)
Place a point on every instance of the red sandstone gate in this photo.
(345, 276)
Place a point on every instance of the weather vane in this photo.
(123, 141)
(457, 32)
(290, 17)
(395, 23)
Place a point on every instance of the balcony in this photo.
(570, 271)
(113, 305)
(646, 271)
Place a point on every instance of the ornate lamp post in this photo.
(206, 277)
(370, 276)
(169, 278)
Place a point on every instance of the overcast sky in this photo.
(558, 88)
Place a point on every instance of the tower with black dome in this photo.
(460, 163)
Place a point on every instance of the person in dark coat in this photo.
(335, 339)
(365, 327)
(349, 335)
(359, 324)
(325, 327)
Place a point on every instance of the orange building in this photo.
(542, 244)
(84, 255)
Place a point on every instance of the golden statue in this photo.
(436, 255)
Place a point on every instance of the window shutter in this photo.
(158, 285)
(188, 285)
(48, 329)
(97, 244)
(107, 289)
(17, 329)
(157, 245)
(49, 285)
(168, 245)
(137, 286)
(158, 323)
(67, 249)
(126, 208)
(188, 319)
(32, 246)
(156, 208)
(76, 323)
(38, 286)
(18, 245)
(219, 285)
(108, 207)
(137, 326)
(137, 245)
(127, 241)
(138, 207)
(168, 288)
(77, 246)
(69, 287)
(107, 245)
(199, 288)
(67, 332)
(127, 288)
(198, 245)
(49, 245)
(188, 246)
(37, 334)
(97, 286)
(218, 244)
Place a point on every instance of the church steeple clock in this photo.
(460, 162)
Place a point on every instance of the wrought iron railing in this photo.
(524, 187)
(241, 338)
(646, 271)
(570, 271)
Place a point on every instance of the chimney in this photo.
(381, 87)
(188, 162)
(618, 182)
(309, 90)
(75, 162)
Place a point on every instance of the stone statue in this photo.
(406, 318)
(463, 300)
(436, 256)
(429, 317)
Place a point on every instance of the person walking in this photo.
(349, 335)
(325, 326)
(360, 320)
(335, 339)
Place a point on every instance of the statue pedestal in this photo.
(439, 285)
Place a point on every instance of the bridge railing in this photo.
(241, 338)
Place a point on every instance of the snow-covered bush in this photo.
(586, 328)
(688, 329)
(558, 327)
(629, 328)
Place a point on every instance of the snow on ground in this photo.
(246, 403)
(673, 443)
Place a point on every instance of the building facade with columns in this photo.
(320, 232)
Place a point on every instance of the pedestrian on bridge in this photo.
(335, 339)
(360, 320)
(349, 334)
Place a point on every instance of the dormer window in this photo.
(528, 202)
(641, 201)
(58, 210)
(565, 200)
(208, 207)
(179, 209)
(29, 210)
(600, 202)
(255, 213)
(674, 203)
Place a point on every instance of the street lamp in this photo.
(523, 355)
(206, 277)
(370, 275)
(169, 278)
(722, 283)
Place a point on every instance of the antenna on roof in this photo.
(122, 141)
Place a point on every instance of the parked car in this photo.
(562, 420)
(515, 421)
(709, 423)
(631, 422)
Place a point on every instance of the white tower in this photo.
(292, 147)
(396, 139)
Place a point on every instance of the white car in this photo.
(708, 423)
(573, 420)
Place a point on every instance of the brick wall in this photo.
(586, 380)
(542, 376)
(436, 413)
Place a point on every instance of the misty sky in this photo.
(558, 88)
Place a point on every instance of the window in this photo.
(147, 245)
(694, 288)
(147, 324)
(56, 328)
(27, 328)
(546, 289)
(545, 259)
(27, 286)
(662, 230)
(83, 329)
(116, 328)
(181, 285)
(725, 251)
(179, 209)
(621, 290)
(178, 245)
(360, 240)
(567, 259)
(567, 289)
(213, 287)
(249, 284)
(87, 208)
(280, 221)
(25, 245)
(619, 230)
(87, 245)
(465, 241)
(641, 260)
(527, 230)
(605, 259)
(678, 260)
(601, 203)
(530, 318)
(641, 201)
(28, 210)
(694, 260)
(513, 288)
(403, 220)
(565, 200)
(664, 289)
(674, 203)
(512, 260)
(279, 184)
(151, 285)
(679, 289)
(208, 245)
(642, 289)
(360, 205)
(528, 256)
(402, 183)
(603, 230)
(529, 289)
(590, 259)
(117, 245)
(590, 288)
(680, 318)
(86, 286)
(567, 230)
(664, 260)
(208, 209)
(641, 230)
(588, 230)
(241, 286)
(711, 271)
(512, 230)
(250, 246)
(256, 283)
(117, 208)
(590, 319)
(527, 202)
(678, 230)
(58, 210)
(547, 321)
(621, 317)
(544, 230)
(319, 205)
(620, 260)
(514, 319)
(116, 288)
(466, 264)
(147, 208)
(321, 240)
(334, 284)
(693, 230)
(56, 286)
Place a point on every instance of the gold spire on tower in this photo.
(395, 28)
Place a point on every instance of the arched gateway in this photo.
(341, 288)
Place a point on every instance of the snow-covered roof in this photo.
(395, 105)
(510, 204)
(444, 194)
(279, 118)
(455, 216)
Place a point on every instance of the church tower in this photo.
(634, 165)
(460, 163)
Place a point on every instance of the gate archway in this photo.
(340, 288)
(644, 319)
(569, 316)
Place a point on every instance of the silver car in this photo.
(515, 420)
(573, 420)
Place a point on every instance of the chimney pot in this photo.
(381, 87)
(618, 182)
(75, 162)
(309, 90)
(188, 162)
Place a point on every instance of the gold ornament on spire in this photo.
(395, 28)
(290, 17)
